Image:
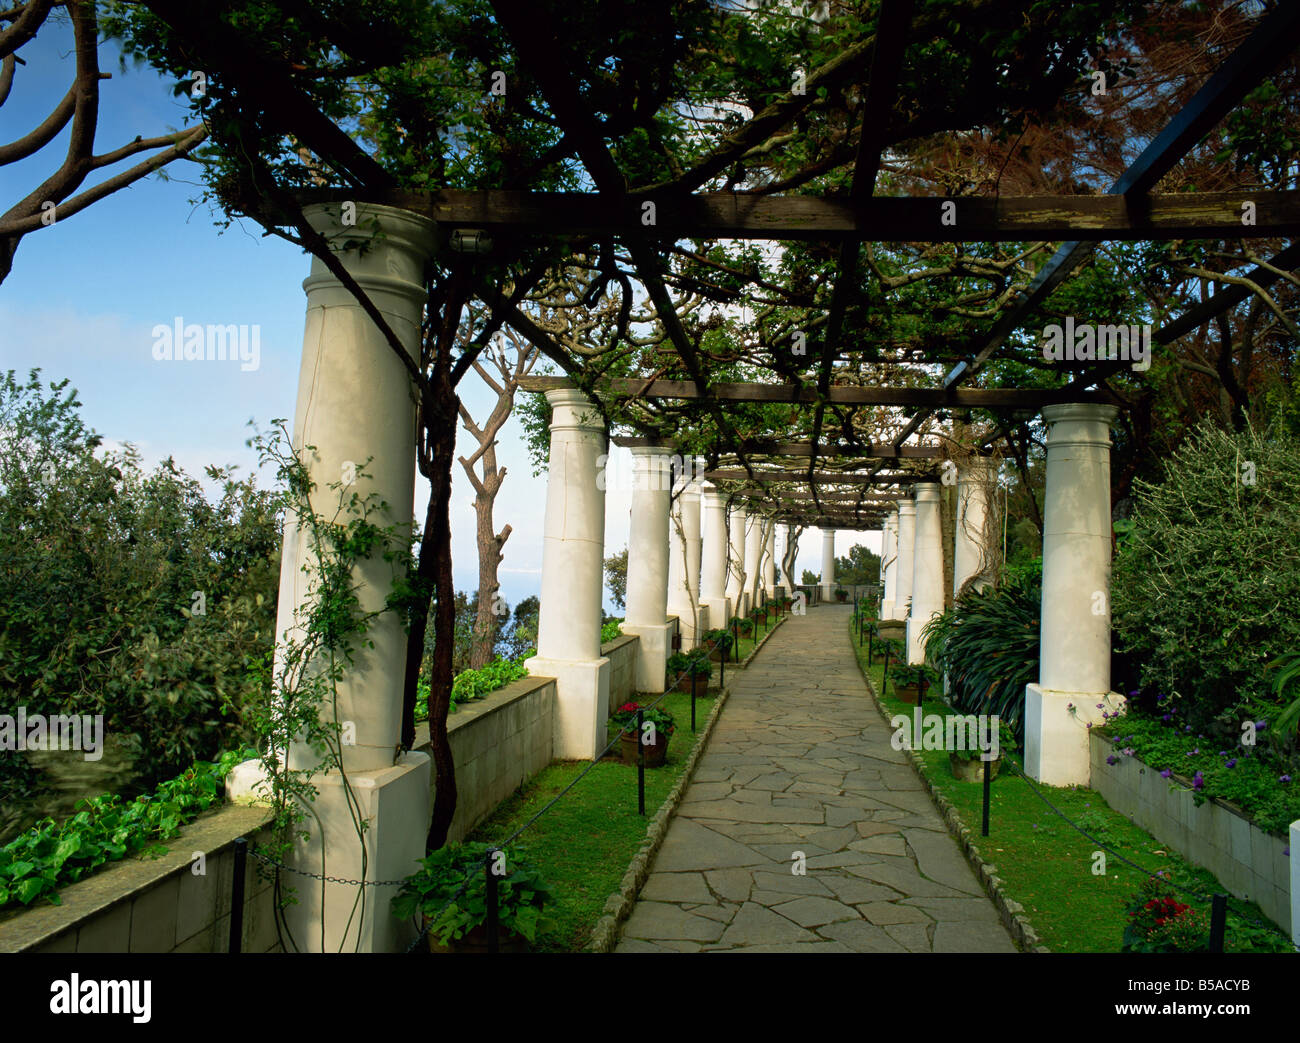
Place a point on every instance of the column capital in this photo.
(574, 411)
(925, 492)
(906, 507)
(1079, 423)
(386, 251)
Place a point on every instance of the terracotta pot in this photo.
(972, 769)
(655, 755)
(908, 693)
(684, 685)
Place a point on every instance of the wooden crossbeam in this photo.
(957, 398)
(820, 477)
(732, 215)
(795, 499)
(775, 447)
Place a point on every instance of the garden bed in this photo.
(1045, 866)
(584, 844)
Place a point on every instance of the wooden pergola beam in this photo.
(880, 500)
(733, 215)
(957, 398)
(800, 450)
(819, 478)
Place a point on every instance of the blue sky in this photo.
(85, 294)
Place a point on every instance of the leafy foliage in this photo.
(52, 854)
(1205, 584)
(450, 891)
(987, 645)
(125, 593)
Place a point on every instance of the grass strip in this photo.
(1073, 898)
(583, 845)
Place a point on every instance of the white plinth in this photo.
(1057, 750)
(652, 653)
(581, 704)
(396, 805)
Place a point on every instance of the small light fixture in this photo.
(470, 241)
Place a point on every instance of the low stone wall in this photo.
(497, 743)
(621, 653)
(1216, 835)
(158, 905)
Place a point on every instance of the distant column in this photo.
(927, 569)
(713, 568)
(647, 565)
(828, 564)
(903, 575)
(736, 560)
(889, 565)
(684, 562)
(972, 546)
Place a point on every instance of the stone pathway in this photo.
(801, 762)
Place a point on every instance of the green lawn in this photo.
(584, 843)
(1047, 866)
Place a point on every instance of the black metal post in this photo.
(694, 679)
(493, 918)
(237, 895)
(871, 648)
(988, 782)
(640, 761)
(884, 683)
(1218, 921)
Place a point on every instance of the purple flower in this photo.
(1284, 778)
(1090, 724)
(1160, 698)
(1166, 773)
(1101, 706)
(1188, 728)
(1260, 725)
(1069, 706)
(1112, 759)
(1232, 763)
(1197, 781)
(1167, 718)
(1128, 751)
(1134, 694)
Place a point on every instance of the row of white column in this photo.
(1074, 657)
(689, 556)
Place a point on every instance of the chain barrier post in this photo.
(1218, 921)
(640, 761)
(493, 918)
(237, 895)
(988, 782)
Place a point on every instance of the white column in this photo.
(903, 569)
(684, 563)
(828, 564)
(770, 559)
(753, 561)
(647, 565)
(354, 405)
(736, 560)
(1074, 658)
(972, 548)
(927, 569)
(889, 565)
(787, 542)
(573, 549)
(713, 567)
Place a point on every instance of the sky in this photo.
(86, 293)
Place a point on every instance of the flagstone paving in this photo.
(800, 774)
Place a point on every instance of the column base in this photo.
(396, 804)
(719, 610)
(692, 628)
(652, 653)
(1057, 747)
(581, 704)
(915, 642)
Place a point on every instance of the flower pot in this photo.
(655, 754)
(908, 693)
(684, 684)
(972, 769)
(476, 941)
(717, 655)
(841, 596)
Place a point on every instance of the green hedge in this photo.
(469, 685)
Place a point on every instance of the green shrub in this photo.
(1205, 583)
(52, 854)
(689, 664)
(987, 646)
(610, 630)
(469, 685)
(717, 639)
(450, 889)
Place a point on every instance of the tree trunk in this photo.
(437, 539)
(487, 623)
